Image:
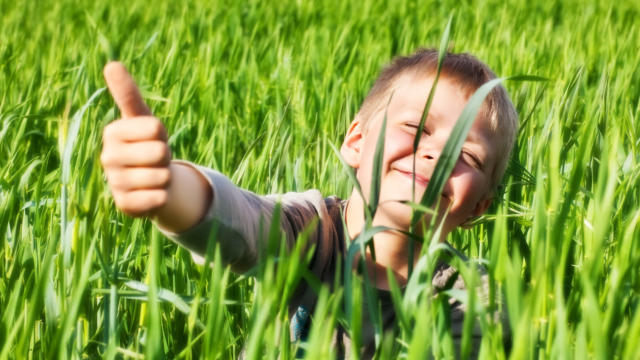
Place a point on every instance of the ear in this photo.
(352, 144)
(478, 210)
(482, 206)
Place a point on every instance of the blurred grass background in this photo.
(258, 90)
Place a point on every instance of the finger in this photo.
(139, 178)
(124, 91)
(140, 202)
(140, 128)
(142, 153)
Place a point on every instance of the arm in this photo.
(179, 196)
(240, 221)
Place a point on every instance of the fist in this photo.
(135, 154)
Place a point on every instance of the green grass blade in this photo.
(442, 51)
(374, 191)
(358, 245)
(451, 150)
(72, 134)
(153, 341)
(353, 180)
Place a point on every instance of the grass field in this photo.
(260, 90)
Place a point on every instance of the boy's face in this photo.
(466, 193)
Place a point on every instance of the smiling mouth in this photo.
(420, 180)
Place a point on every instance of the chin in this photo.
(397, 215)
(394, 214)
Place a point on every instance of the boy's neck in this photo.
(391, 247)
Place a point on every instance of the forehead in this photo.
(409, 95)
(411, 90)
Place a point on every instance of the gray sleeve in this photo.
(240, 220)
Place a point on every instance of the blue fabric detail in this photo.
(301, 324)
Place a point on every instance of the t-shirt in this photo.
(242, 221)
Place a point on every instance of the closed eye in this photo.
(471, 159)
(414, 128)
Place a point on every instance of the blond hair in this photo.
(469, 73)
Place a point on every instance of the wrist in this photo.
(189, 196)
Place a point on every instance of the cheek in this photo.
(398, 144)
(469, 187)
(366, 160)
(366, 164)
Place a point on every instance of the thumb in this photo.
(124, 91)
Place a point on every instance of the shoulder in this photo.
(311, 202)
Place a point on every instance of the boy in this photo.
(186, 200)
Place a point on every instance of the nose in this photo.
(428, 153)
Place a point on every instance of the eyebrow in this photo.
(417, 115)
(473, 137)
(478, 137)
(431, 115)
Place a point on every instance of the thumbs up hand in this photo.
(135, 154)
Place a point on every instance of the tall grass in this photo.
(262, 91)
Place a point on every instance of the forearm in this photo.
(189, 196)
(238, 220)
